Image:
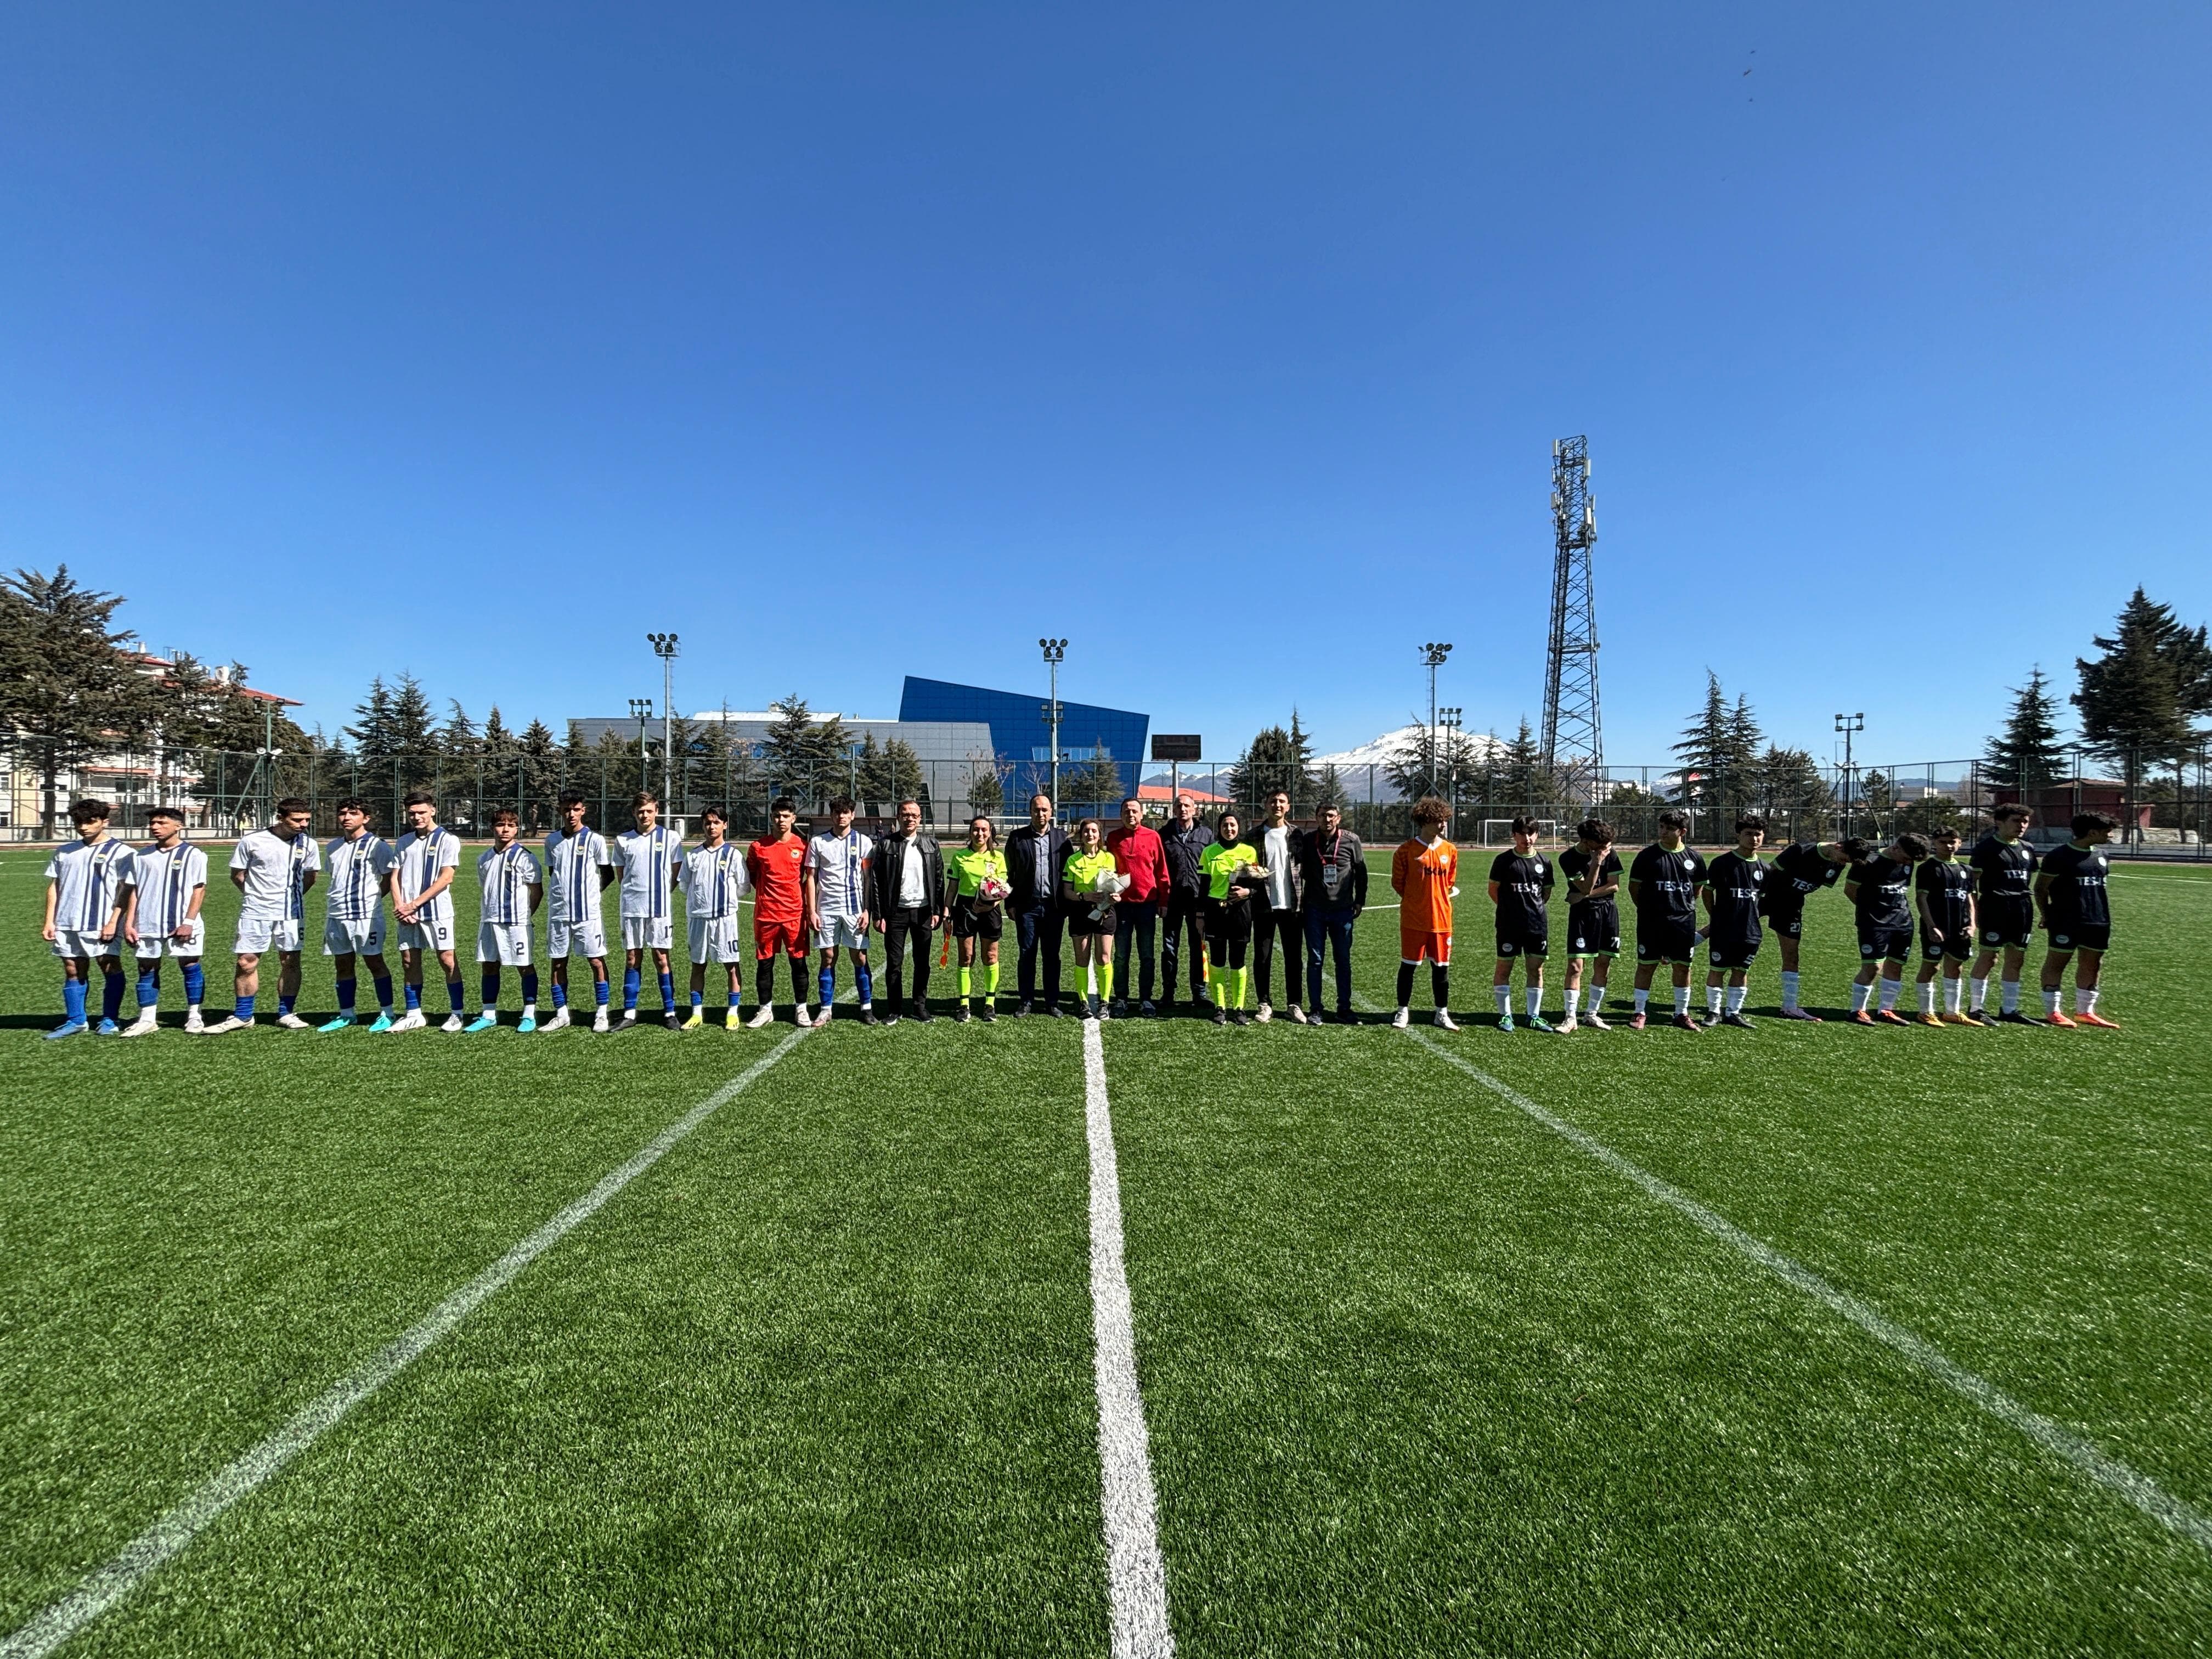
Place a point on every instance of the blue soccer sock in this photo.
(867, 984)
(668, 991)
(631, 979)
(825, 985)
(383, 992)
(489, 986)
(149, 988)
(244, 1009)
(457, 994)
(285, 1002)
(414, 999)
(698, 997)
(603, 991)
(73, 1001)
(530, 988)
(349, 990)
(559, 994)
(195, 982)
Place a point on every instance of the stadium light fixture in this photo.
(1851, 725)
(1055, 652)
(663, 647)
(641, 710)
(1433, 654)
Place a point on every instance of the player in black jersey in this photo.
(1662, 884)
(2077, 914)
(2004, 867)
(1592, 871)
(1799, 871)
(1943, 893)
(1520, 888)
(1880, 890)
(1735, 883)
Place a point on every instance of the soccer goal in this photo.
(1497, 832)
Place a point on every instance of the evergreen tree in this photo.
(1523, 779)
(810, 758)
(904, 775)
(1876, 790)
(1094, 785)
(1740, 769)
(458, 738)
(1328, 789)
(541, 772)
(413, 730)
(1788, 785)
(2026, 754)
(2138, 698)
(372, 729)
(497, 739)
(986, 787)
(67, 691)
(872, 785)
(1274, 759)
(1705, 747)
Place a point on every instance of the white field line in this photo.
(2063, 1442)
(1136, 1578)
(152, 1549)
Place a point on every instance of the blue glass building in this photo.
(1019, 736)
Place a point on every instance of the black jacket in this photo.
(885, 863)
(1021, 855)
(1184, 849)
(1351, 896)
(1256, 834)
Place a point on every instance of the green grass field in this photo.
(1421, 1374)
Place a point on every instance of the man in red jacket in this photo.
(1139, 856)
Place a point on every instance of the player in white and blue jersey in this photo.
(85, 886)
(577, 870)
(422, 899)
(837, 907)
(650, 860)
(360, 865)
(168, 886)
(272, 869)
(714, 880)
(513, 890)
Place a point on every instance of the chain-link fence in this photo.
(2161, 800)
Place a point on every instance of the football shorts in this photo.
(2081, 936)
(257, 934)
(434, 935)
(715, 939)
(564, 939)
(2006, 924)
(1732, 954)
(507, 944)
(87, 942)
(1958, 944)
(364, 937)
(1786, 921)
(973, 920)
(1666, 938)
(1593, 930)
(648, 933)
(772, 935)
(1520, 942)
(1884, 943)
(839, 931)
(153, 949)
(1418, 947)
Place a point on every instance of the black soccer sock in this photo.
(764, 981)
(1405, 984)
(797, 981)
(1440, 982)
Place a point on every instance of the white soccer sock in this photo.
(1642, 996)
(1712, 999)
(1981, 995)
(1682, 1002)
(1572, 998)
(1735, 996)
(1534, 1001)
(1927, 996)
(2085, 1002)
(1503, 995)
(1789, 988)
(2051, 1002)
(2008, 996)
(1859, 993)
(1952, 990)
(1890, 988)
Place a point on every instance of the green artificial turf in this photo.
(1420, 1374)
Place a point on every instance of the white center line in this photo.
(152, 1549)
(1136, 1578)
(2107, 1471)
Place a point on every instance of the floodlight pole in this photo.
(1056, 652)
(663, 647)
(1450, 720)
(1433, 654)
(1849, 725)
(641, 710)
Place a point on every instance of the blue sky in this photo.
(1229, 343)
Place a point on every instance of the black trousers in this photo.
(900, 928)
(1269, 926)
(1185, 911)
(1132, 937)
(1038, 932)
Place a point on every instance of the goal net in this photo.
(1497, 832)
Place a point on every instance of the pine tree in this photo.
(458, 738)
(2026, 754)
(1271, 761)
(1788, 785)
(496, 738)
(1707, 746)
(986, 787)
(1328, 789)
(371, 730)
(68, 692)
(541, 775)
(1739, 770)
(413, 732)
(1523, 779)
(803, 753)
(2137, 699)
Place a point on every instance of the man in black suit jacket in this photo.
(906, 877)
(1036, 854)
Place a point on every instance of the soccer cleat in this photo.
(527, 1024)
(628, 1022)
(107, 1028)
(1636, 1021)
(1221, 1015)
(194, 1023)
(693, 1024)
(381, 1023)
(1538, 1022)
(600, 1022)
(1959, 1019)
(1505, 1022)
(1238, 1017)
(1684, 1023)
(412, 1020)
(868, 1014)
(486, 1021)
(1594, 1023)
(293, 1023)
(821, 1015)
(67, 1027)
(1444, 1022)
(1567, 1027)
(732, 1020)
(1862, 1017)
(343, 1023)
(1736, 1020)
(454, 1022)
(229, 1024)
(1891, 1017)
(2097, 1020)
(961, 1015)
(1931, 1019)
(1799, 1013)
(989, 1013)
(2060, 1020)
(560, 1020)
(672, 1019)
(144, 1025)
(1402, 1018)
(2015, 1017)
(763, 1015)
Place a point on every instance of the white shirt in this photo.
(838, 865)
(276, 871)
(715, 879)
(165, 879)
(89, 875)
(357, 869)
(573, 864)
(1275, 853)
(507, 875)
(650, 860)
(914, 888)
(418, 859)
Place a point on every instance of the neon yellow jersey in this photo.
(1220, 864)
(971, 868)
(1082, 870)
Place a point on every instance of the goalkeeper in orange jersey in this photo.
(1425, 874)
